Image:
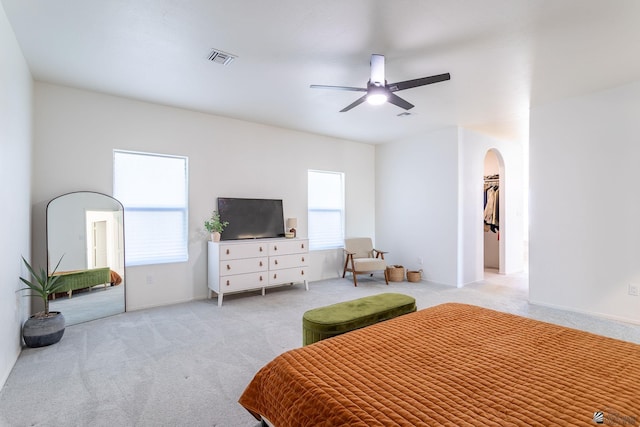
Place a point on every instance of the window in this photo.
(326, 209)
(153, 190)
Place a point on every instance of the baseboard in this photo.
(144, 307)
(11, 363)
(588, 313)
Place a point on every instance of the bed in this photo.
(455, 365)
(70, 281)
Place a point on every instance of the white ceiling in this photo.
(503, 56)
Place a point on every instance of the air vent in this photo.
(220, 57)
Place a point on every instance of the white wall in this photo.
(430, 203)
(475, 147)
(76, 131)
(15, 190)
(417, 203)
(585, 203)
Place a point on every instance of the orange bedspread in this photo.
(454, 365)
(116, 279)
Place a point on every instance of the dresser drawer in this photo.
(285, 247)
(246, 265)
(288, 261)
(242, 282)
(243, 250)
(290, 275)
(241, 266)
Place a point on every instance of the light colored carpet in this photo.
(187, 364)
(90, 305)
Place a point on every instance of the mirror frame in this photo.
(124, 267)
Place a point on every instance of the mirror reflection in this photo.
(85, 230)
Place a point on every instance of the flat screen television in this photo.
(251, 218)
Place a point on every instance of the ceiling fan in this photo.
(378, 91)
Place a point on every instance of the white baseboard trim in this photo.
(164, 304)
(589, 313)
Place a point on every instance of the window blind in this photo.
(325, 209)
(153, 190)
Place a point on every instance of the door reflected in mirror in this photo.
(85, 232)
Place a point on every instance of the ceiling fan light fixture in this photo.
(376, 98)
(376, 95)
(378, 91)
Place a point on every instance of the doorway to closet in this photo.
(493, 210)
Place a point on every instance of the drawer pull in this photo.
(302, 246)
(261, 278)
(228, 267)
(275, 262)
(260, 263)
(227, 251)
(275, 276)
(227, 283)
(302, 272)
(275, 248)
(260, 248)
(302, 259)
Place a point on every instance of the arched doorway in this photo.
(493, 214)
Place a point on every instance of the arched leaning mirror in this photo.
(86, 230)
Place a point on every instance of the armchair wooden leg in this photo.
(346, 263)
(386, 277)
(353, 270)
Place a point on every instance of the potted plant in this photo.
(215, 226)
(45, 327)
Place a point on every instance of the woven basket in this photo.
(395, 273)
(414, 276)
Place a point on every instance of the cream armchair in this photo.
(362, 258)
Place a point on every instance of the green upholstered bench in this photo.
(336, 319)
(70, 281)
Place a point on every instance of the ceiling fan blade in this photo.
(354, 104)
(408, 84)
(352, 89)
(377, 70)
(396, 100)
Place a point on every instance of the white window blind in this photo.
(153, 190)
(325, 209)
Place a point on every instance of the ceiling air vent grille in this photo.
(220, 57)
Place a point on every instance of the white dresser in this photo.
(241, 265)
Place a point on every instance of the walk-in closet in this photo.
(491, 214)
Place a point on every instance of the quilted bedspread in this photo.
(452, 365)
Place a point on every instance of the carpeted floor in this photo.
(187, 364)
(88, 305)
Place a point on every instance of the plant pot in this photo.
(215, 236)
(43, 331)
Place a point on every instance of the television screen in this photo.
(251, 218)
